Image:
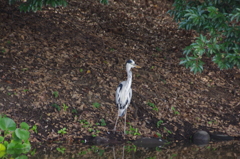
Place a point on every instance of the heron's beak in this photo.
(137, 66)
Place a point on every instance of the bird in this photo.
(124, 94)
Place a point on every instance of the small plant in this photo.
(65, 107)
(96, 105)
(25, 90)
(159, 123)
(3, 50)
(56, 106)
(34, 128)
(104, 2)
(173, 155)
(152, 67)
(154, 107)
(112, 49)
(158, 49)
(133, 131)
(33, 152)
(74, 111)
(55, 94)
(62, 131)
(175, 111)
(13, 138)
(212, 121)
(168, 131)
(81, 70)
(61, 149)
(158, 149)
(97, 150)
(158, 135)
(131, 148)
(24, 69)
(102, 122)
(95, 132)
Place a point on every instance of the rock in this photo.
(201, 138)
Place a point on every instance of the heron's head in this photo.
(131, 64)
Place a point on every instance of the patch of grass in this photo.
(154, 107)
(56, 106)
(96, 105)
(159, 123)
(55, 94)
(62, 131)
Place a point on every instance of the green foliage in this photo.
(56, 106)
(133, 131)
(159, 123)
(61, 149)
(175, 111)
(154, 107)
(131, 148)
(104, 2)
(35, 5)
(62, 131)
(217, 23)
(14, 141)
(96, 105)
(55, 94)
(65, 107)
(34, 128)
(102, 122)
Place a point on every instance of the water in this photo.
(216, 150)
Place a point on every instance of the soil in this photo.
(60, 67)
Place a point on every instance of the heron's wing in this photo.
(123, 98)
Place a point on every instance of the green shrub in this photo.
(217, 23)
(14, 141)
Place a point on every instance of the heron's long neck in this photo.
(129, 78)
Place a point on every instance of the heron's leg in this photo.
(125, 122)
(116, 123)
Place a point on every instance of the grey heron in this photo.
(124, 93)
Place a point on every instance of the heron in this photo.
(124, 94)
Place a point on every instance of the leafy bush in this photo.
(14, 140)
(35, 5)
(217, 23)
